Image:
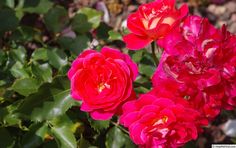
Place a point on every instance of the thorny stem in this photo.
(154, 54)
(121, 128)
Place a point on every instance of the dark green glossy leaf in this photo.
(147, 70)
(99, 125)
(8, 20)
(25, 86)
(35, 136)
(49, 144)
(40, 54)
(50, 101)
(56, 19)
(138, 55)
(19, 54)
(113, 35)
(93, 16)
(83, 143)
(7, 115)
(102, 31)
(80, 23)
(57, 58)
(19, 71)
(61, 130)
(37, 6)
(75, 45)
(8, 3)
(116, 138)
(3, 58)
(26, 33)
(42, 72)
(7, 140)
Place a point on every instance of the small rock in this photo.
(232, 27)
(211, 8)
(220, 10)
(225, 15)
(233, 17)
(231, 6)
(229, 128)
(132, 8)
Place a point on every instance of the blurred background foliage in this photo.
(38, 41)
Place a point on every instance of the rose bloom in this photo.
(102, 81)
(152, 21)
(203, 60)
(160, 122)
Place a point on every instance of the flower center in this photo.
(163, 120)
(102, 86)
(151, 18)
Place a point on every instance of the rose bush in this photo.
(60, 87)
(103, 81)
(152, 21)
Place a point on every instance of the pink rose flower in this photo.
(202, 59)
(152, 21)
(102, 81)
(160, 122)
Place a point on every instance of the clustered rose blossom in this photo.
(194, 81)
(152, 21)
(202, 59)
(102, 81)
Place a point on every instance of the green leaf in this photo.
(61, 130)
(51, 100)
(49, 144)
(190, 144)
(37, 6)
(18, 54)
(25, 86)
(93, 16)
(7, 140)
(75, 45)
(19, 71)
(99, 125)
(8, 20)
(25, 33)
(57, 58)
(8, 116)
(116, 138)
(9, 3)
(102, 31)
(40, 54)
(3, 58)
(43, 72)
(56, 19)
(147, 70)
(83, 143)
(113, 35)
(64, 137)
(141, 90)
(137, 56)
(80, 23)
(35, 136)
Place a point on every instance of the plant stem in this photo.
(121, 128)
(154, 54)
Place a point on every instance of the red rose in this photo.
(160, 122)
(152, 21)
(102, 81)
(203, 60)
